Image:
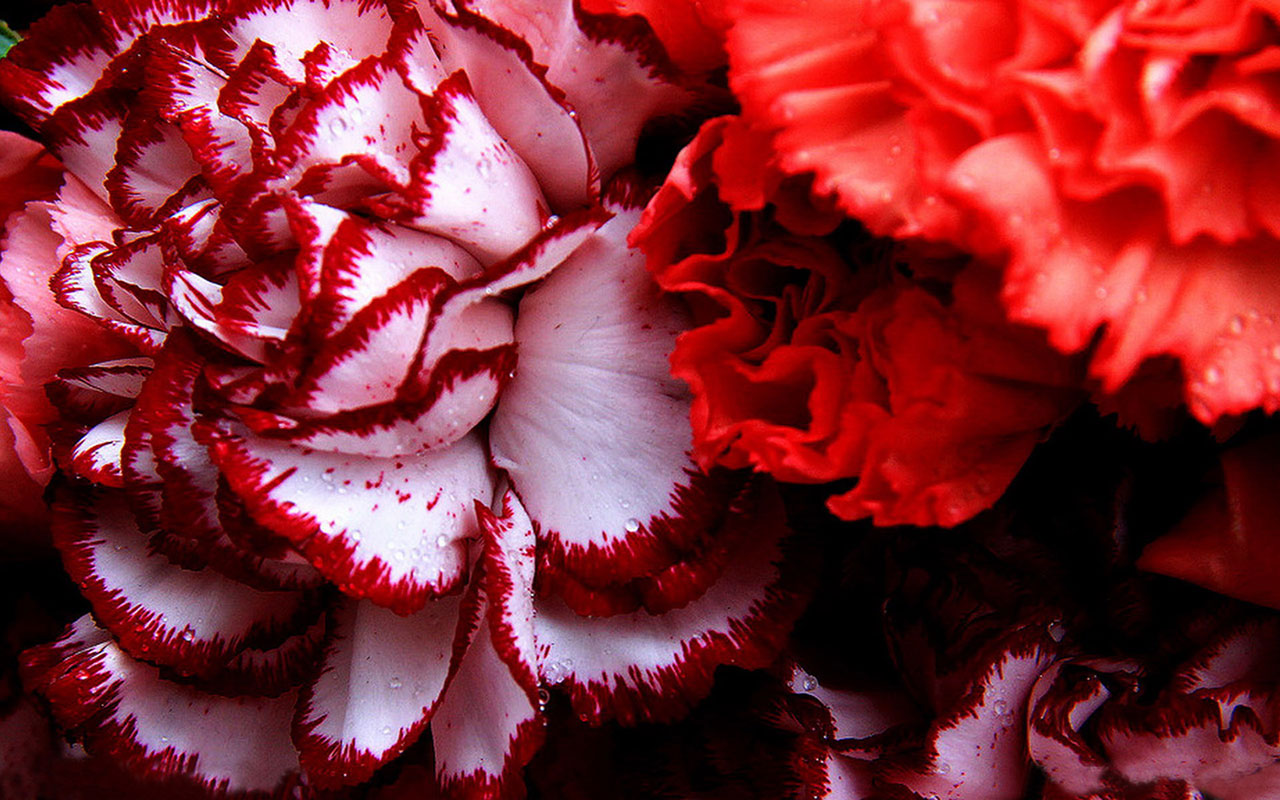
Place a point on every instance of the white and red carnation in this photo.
(1120, 155)
(399, 403)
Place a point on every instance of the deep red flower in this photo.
(1122, 155)
(815, 363)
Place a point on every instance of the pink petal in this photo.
(190, 620)
(292, 29)
(389, 529)
(526, 110)
(381, 677)
(982, 743)
(486, 729)
(132, 714)
(154, 173)
(594, 61)
(596, 443)
(489, 724)
(96, 456)
(84, 133)
(468, 183)
(63, 57)
(642, 666)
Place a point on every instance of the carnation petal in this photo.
(381, 677)
(158, 727)
(154, 172)
(62, 58)
(486, 728)
(293, 29)
(526, 110)
(489, 724)
(594, 61)
(469, 184)
(389, 529)
(577, 422)
(982, 742)
(96, 456)
(83, 134)
(643, 666)
(190, 620)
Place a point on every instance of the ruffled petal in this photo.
(389, 529)
(158, 727)
(380, 680)
(193, 621)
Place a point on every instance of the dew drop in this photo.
(544, 697)
(632, 525)
(395, 683)
(1236, 325)
(386, 730)
(1140, 295)
(338, 126)
(398, 555)
(1213, 376)
(442, 540)
(942, 768)
(1000, 707)
(188, 635)
(1100, 293)
(1055, 154)
(809, 683)
(164, 740)
(1275, 351)
(555, 672)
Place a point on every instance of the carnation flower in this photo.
(1121, 154)
(399, 417)
(823, 357)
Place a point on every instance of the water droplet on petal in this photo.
(632, 525)
(1236, 325)
(442, 540)
(1213, 376)
(555, 672)
(386, 730)
(395, 683)
(1000, 707)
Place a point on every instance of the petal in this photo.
(154, 172)
(595, 60)
(490, 723)
(642, 666)
(96, 456)
(63, 56)
(597, 444)
(468, 183)
(487, 728)
(390, 529)
(380, 680)
(983, 741)
(526, 111)
(157, 727)
(191, 620)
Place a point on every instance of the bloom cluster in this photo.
(471, 398)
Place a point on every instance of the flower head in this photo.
(399, 406)
(1119, 154)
